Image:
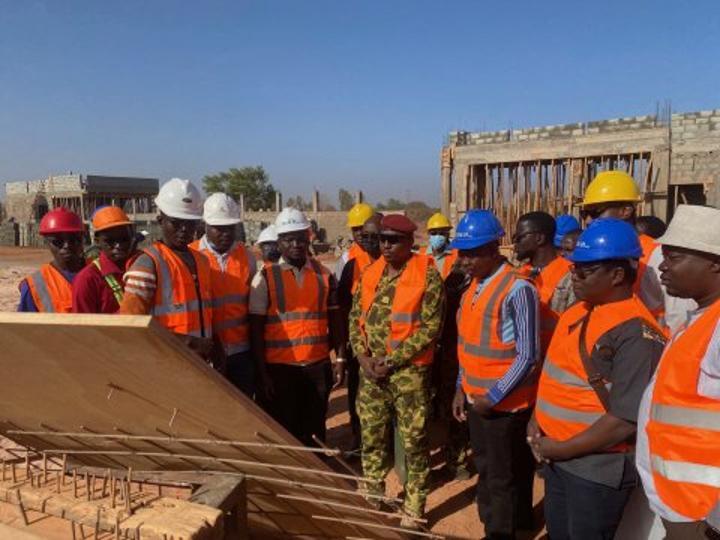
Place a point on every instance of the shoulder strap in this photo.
(594, 378)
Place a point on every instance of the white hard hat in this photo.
(221, 209)
(268, 234)
(180, 199)
(291, 220)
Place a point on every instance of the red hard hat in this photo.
(61, 220)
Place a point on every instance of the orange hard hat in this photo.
(61, 220)
(109, 217)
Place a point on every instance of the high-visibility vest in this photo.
(50, 290)
(406, 305)
(484, 357)
(648, 244)
(296, 329)
(546, 282)
(566, 403)
(231, 292)
(448, 261)
(362, 261)
(111, 281)
(183, 301)
(684, 427)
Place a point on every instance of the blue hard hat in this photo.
(564, 224)
(477, 228)
(605, 239)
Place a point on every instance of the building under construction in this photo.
(674, 158)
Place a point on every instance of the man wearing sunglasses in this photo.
(349, 281)
(495, 391)
(168, 279)
(98, 287)
(49, 289)
(600, 360)
(395, 321)
(534, 242)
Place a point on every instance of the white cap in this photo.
(694, 227)
(291, 220)
(180, 199)
(268, 234)
(221, 209)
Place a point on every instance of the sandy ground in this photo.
(451, 509)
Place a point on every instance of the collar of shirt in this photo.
(222, 258)
(483, 283)
(297, 272)
(108, 267)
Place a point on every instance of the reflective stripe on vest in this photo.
(296, 328)
(111, 282)
(484, 358)
(50, 290)
(405, 317)
(567, 404)
(684, 427)
(176, 304)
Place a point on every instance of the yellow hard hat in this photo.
(438, 221)
(611, 186)
(359, 214)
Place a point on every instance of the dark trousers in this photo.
(300, 401)
(353, 381)
(576, 508)
(240, 370)
(505, 469)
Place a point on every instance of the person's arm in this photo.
(431, 317)
(27, 303)
(522, 308)
(337, 332)
(637, 350)
(140, 285)
(257, 308)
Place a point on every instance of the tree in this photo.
(299, 203)
(251, 182)
(345, 199)
(391, 204)
(418, 211)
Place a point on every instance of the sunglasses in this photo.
(594, 213)
(60, 241)
(585, 270)
(116, 240)
(180, 223)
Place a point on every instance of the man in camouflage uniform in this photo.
(394, 346)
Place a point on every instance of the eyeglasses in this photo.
(594, 213)
(60, 241)
(115, 240)
(182, 223)
(583, 271)
(391, 239)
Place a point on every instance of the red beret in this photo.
(398, 223)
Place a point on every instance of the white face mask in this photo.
(437, 241)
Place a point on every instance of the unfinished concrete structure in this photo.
(674, 158)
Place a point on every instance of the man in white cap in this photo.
(233, 267)
(294, 322)
(268, 243)
(679, 420)
(169, 280)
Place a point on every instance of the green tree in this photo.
(345, 199)
(391, 204)
(252, 182)
(418, 211)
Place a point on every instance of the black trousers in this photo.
(506, 470)
(300, 402)
(240, 370)
(579, 508)
(353, 382)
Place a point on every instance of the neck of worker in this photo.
(709, 297)
(543, 256)
(617, 294)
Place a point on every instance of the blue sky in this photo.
(328, 93)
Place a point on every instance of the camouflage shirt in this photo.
(377, 323)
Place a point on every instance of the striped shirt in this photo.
(519, 316)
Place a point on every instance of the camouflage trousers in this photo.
(403, 397)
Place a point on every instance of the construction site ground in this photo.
(450, 511)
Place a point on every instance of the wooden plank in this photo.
(113, 374)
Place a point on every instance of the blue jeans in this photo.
(240, 371)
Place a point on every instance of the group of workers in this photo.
(594, 355)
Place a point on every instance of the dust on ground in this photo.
(451, 510)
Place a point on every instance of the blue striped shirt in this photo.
(519, 317)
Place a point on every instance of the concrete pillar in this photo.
(315, 201)
(660, 181)
(359, 197)
(445, 180)
(241, 203)
(462, 185)
(278, 201)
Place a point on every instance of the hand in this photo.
(533, 437)
(338, 369)
(381, 368)
(202, 346)
(367, 365)
(481, 404)
(550, 450)
(458, 405)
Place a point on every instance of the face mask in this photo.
(437, 241)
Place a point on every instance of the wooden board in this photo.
(125, 375)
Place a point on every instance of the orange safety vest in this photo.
(50, 290)
(566, 403)
(484, 357)
(296, 329)
(648, 244)
(231, 291)
(183, 301)
(406, 305)
(546, 283)
(362, 261)
(684, 427)
(447, 263)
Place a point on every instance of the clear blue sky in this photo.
(328, 93)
